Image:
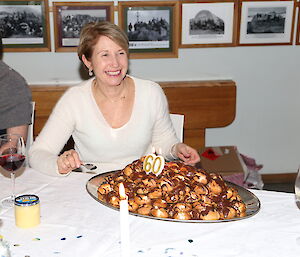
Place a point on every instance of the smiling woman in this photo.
(113, 118)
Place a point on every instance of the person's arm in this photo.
(187, 154)
(19, 130)
(43, 153)
(165, 135)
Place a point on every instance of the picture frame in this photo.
(70, 17)
(208, 23)
(298, 26)
(152, 28)
(24, 26)
(266, 22)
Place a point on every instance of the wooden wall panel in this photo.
(45, 98)
(211, 105)
(205, 104)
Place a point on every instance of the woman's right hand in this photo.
(68, 161)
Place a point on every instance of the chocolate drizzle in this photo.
(179, 192)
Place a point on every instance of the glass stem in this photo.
(12, 177)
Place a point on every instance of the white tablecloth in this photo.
(74, 224)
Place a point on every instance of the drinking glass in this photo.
(297, 188)
(12, 157)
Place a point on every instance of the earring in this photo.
(90, 72)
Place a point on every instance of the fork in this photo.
(88, 166)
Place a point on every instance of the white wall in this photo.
(266, 126)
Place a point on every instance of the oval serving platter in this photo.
(250, 199)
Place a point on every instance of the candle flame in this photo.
(159, 151)
(153, 149)
(122, 192)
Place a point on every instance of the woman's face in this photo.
(109, 62)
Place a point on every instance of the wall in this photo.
(266, 126)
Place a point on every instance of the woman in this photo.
(114, 118)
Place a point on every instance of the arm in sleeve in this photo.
(164, 135)
(44, 152)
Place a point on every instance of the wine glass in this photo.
(12, 157)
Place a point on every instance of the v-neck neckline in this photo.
(100, 113)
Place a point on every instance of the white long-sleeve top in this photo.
(77, 114)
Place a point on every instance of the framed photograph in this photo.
(152, 28)
(24, 26)
(208, 23)
(266, 22)
(298, 26)
(70, 17)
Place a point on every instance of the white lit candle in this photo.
(153, 150)
(159, 151)
(124, 222)
(154, 163)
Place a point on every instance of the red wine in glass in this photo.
(12, 162)
(12, 157)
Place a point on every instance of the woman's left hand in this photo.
(187, 154)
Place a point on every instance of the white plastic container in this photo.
(27, 211)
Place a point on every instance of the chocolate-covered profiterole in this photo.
(180, 192)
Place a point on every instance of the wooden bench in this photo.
(205, 104)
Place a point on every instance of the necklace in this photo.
(122, 96)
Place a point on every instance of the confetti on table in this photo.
(16, 245)
(167, 250)
(63, 238)
(79, 236)
(36, 239)
(191, 240)
(56, 252)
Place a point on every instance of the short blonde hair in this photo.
(91, 32)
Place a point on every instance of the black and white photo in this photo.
(148, 28)
(23, 24)
(266, 22)
(152, 28)
(73, 20)
(71, 17)
(207, 23)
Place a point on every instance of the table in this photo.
(74, 224)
